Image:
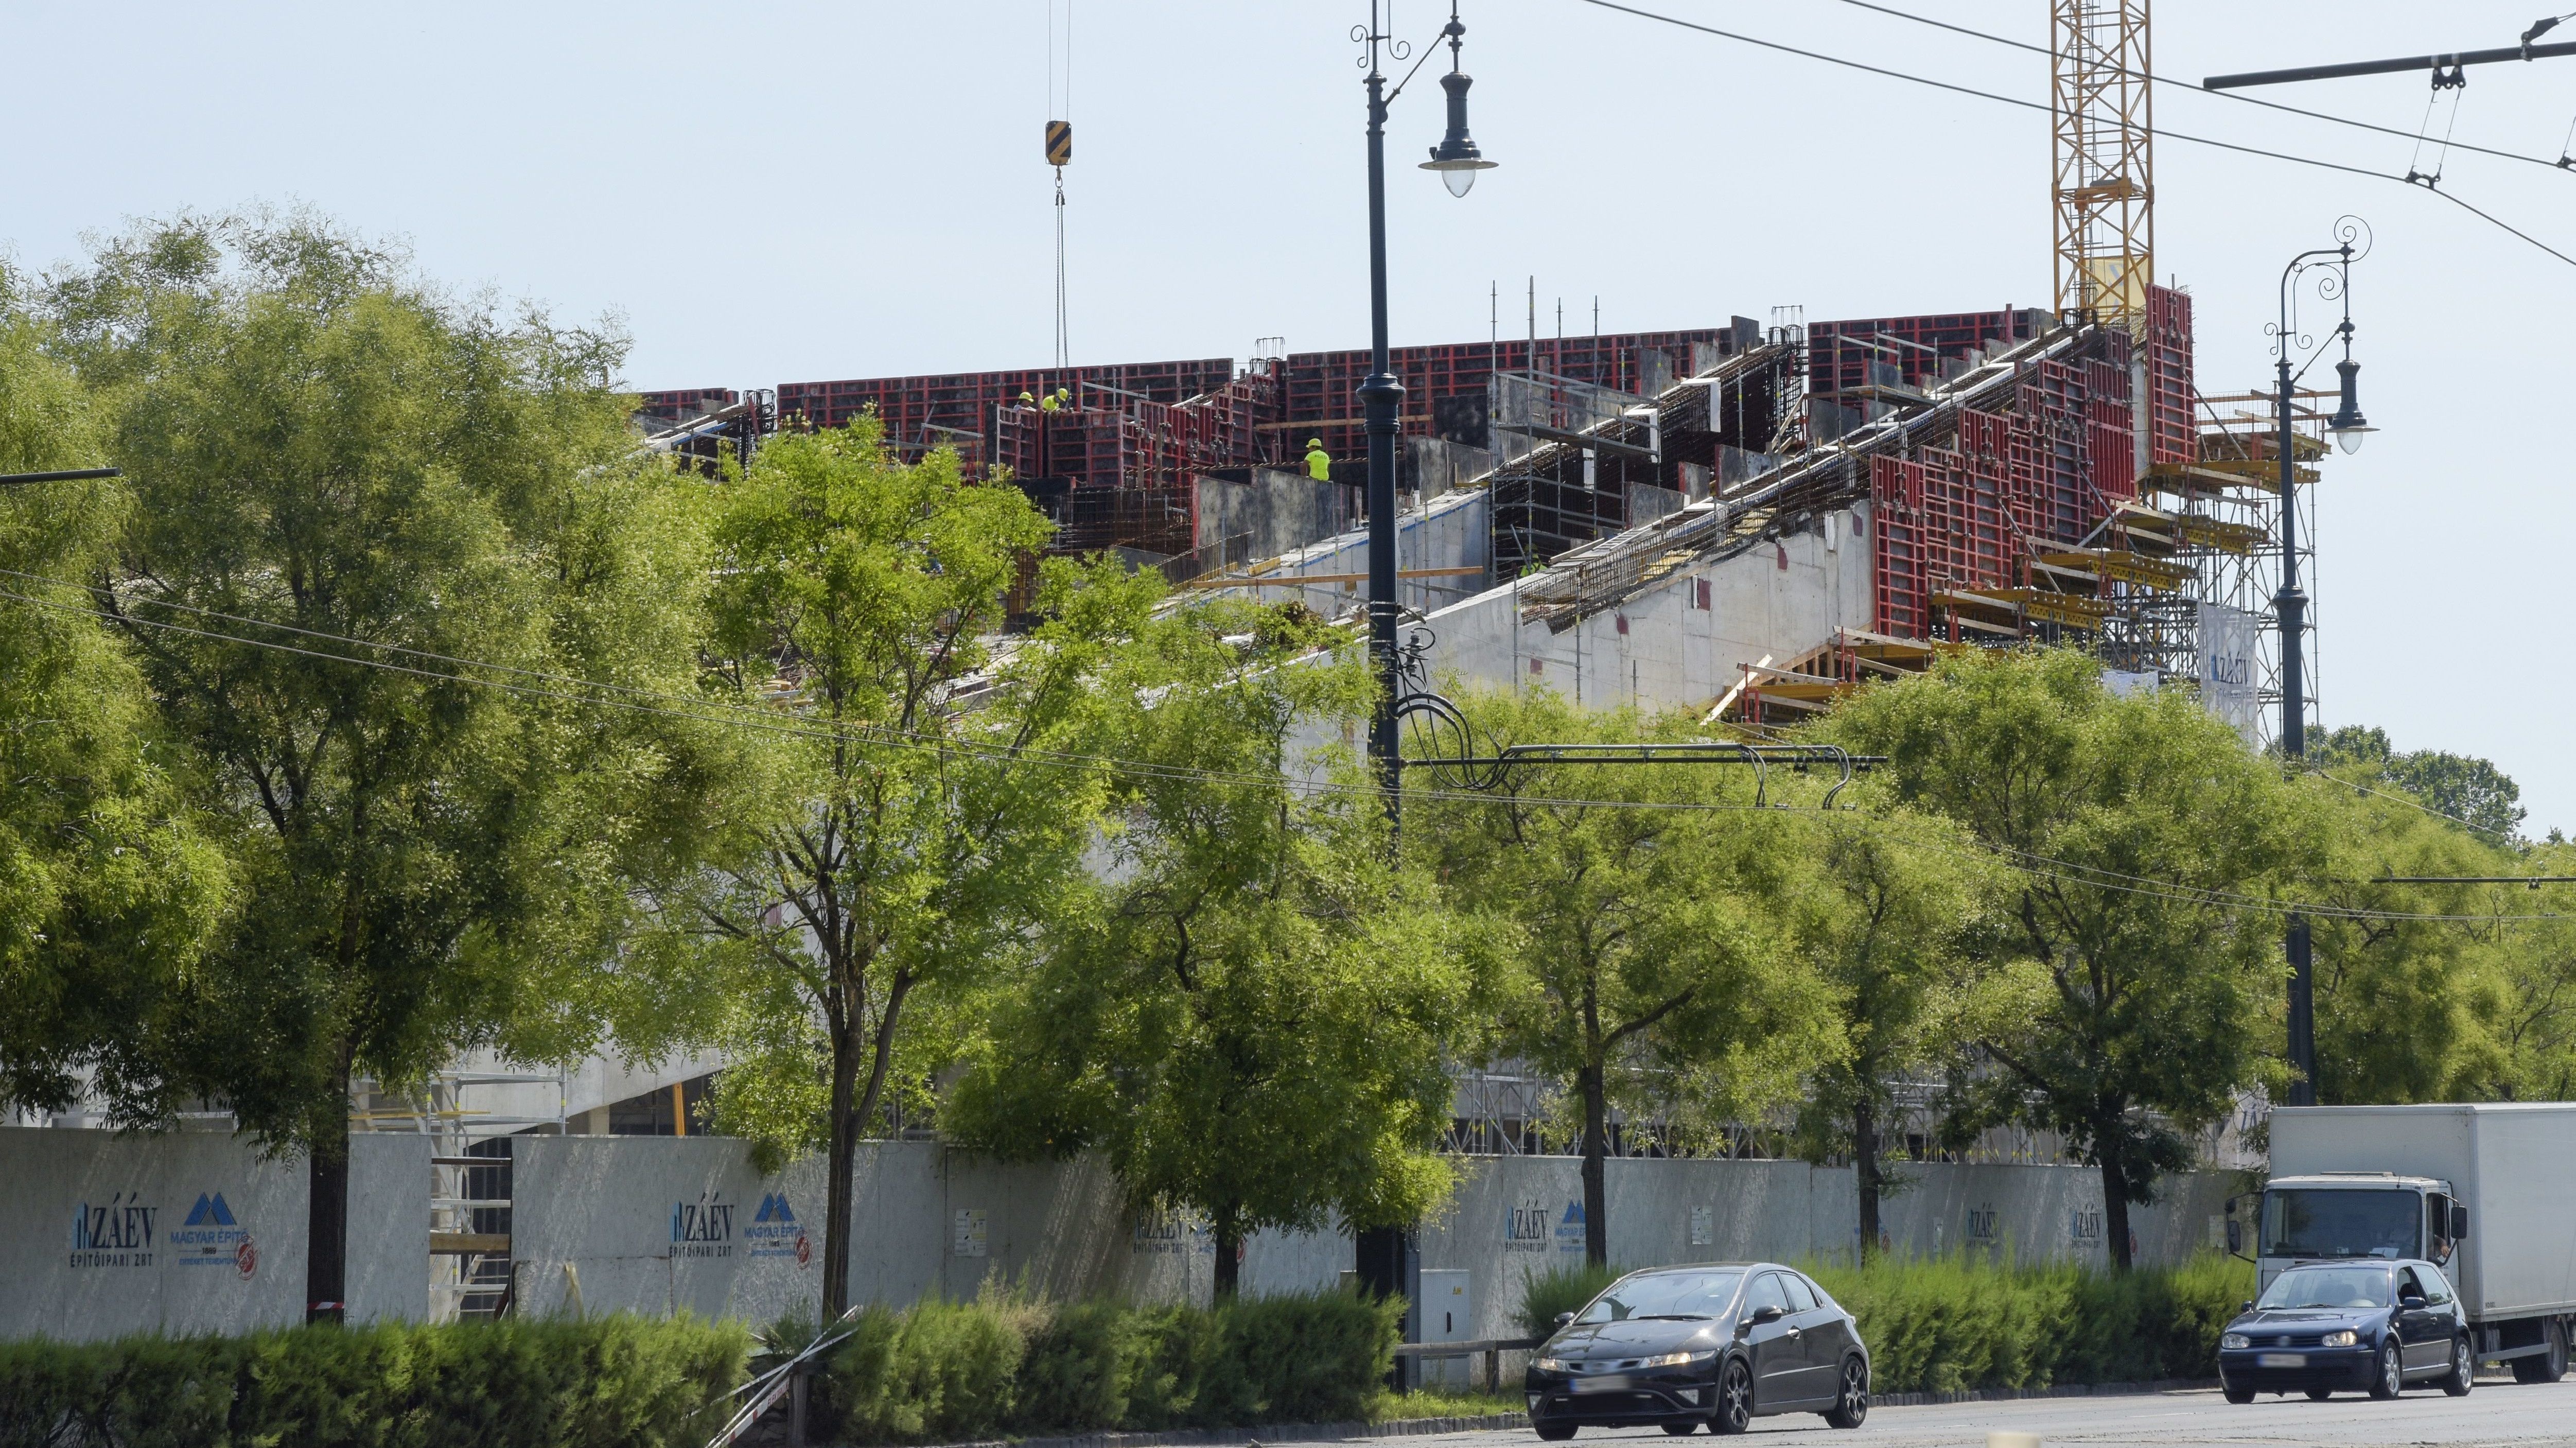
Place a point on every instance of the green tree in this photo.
(110, 887)
(1250, 1022)
(2132, 981)
(2471, 792)
(912, 815)
(1889, 901)
(346, 484)
(1638, 915)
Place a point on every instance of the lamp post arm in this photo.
(2388, 67)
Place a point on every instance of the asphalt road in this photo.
(2497, 1412)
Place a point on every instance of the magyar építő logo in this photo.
(211, 1238)
(773, 1231)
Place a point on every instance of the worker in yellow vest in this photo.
(1319, 463)
(1052, 401)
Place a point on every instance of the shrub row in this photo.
(612, 1382)
(949, 1372)
(1945, 1324)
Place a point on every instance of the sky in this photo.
(765, 193)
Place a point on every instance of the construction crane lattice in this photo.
(2102, 153)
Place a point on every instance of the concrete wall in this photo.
(1660, 649)
(1448, 531)
(1521, 1216)
(657, 1224)
(1282, 510)
(104, 1234)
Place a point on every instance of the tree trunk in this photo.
(1596, 1147)
(1228, 1228)
(326, 1213)
(1865, 1171)
(2115, 1209)
(846, 1045)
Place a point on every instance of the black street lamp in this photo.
(2348, 427)
(1381, 395)
(1387, 1261)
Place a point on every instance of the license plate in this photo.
(2281, 1360)
(1608, 1383)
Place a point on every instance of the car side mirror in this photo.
(2459, 1223)
(2246, 1306)
(1768, 1312)
(2235, 1238)
(1563, 1318)
(2411, 1304)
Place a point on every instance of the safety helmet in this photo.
(1314, 442)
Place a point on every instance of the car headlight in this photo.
(1676, 1359)
(2345, 1338)
(1551, 1365)
(2234, 1339)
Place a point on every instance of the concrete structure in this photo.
(104, 1234)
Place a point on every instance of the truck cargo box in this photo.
(2513, 1165)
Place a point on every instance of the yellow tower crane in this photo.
(2102, 150)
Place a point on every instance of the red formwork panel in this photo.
(1837, 363)
(2172, 430)
(1897, 579)
(681, 403)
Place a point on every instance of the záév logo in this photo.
(118, 1234)
(2085, 1226)
(211, 1238)
(703, 1228)
(1525, 1227)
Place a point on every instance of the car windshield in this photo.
(2328, 1287)
(2330, 1223)
(1664, 1294)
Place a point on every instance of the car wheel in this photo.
(1555, 1432)
(2544, 1367)
(2319, 1395)
(1681, 1427)
(1851, 1403)
(2464, 1369)
(2235, 1394)
(1734, 1411)
(2390, 1380)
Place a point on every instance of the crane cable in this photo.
(1059, 150)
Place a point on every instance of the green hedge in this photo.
(949, 1372)
(1944, 1324)
(612, 1382)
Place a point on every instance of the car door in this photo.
(2419, 1329)
(1816, 1331)
(1829, 1339)
(1779, 1357)
(2443, 1308)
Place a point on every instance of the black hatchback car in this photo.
(1718, 1344)
(2352, 1325)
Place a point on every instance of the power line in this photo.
(2188, 86)
(745, 716)
(1987, 95)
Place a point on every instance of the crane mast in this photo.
(2102, 150)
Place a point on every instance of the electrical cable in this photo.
(2036, 106)
(2188, 86)
(744, 716)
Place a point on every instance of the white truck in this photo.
(2488, 1192)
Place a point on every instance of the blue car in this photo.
(2349, 1326)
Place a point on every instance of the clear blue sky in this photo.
(784, 192)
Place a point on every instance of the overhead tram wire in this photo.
(1987, 95)
(748, 717)
(2190, 87)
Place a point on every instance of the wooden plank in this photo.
(469, 1244)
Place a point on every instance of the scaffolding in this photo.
(471, 1269)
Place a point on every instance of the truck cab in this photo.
(2331, 1216)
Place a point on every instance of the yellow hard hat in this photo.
(1314, 442)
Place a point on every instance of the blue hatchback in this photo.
(2354, 1326)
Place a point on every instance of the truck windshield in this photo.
(2329, 1223)
(2328, 1287)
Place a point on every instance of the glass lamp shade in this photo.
(2349, 438)
(1456, 157)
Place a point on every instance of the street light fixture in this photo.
(1456, 157)
(2348, 427)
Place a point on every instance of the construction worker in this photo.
(1063, 396)
(1026, 400)
(1319, 463)
(1052, 401)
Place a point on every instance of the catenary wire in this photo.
(1966, 90)
(2022, 861)
(2188, 86)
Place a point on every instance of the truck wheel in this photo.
(2464, 1369)
(2235, 1394)
(2390, 1380)
(1555, 1432)
(2545, 1367)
